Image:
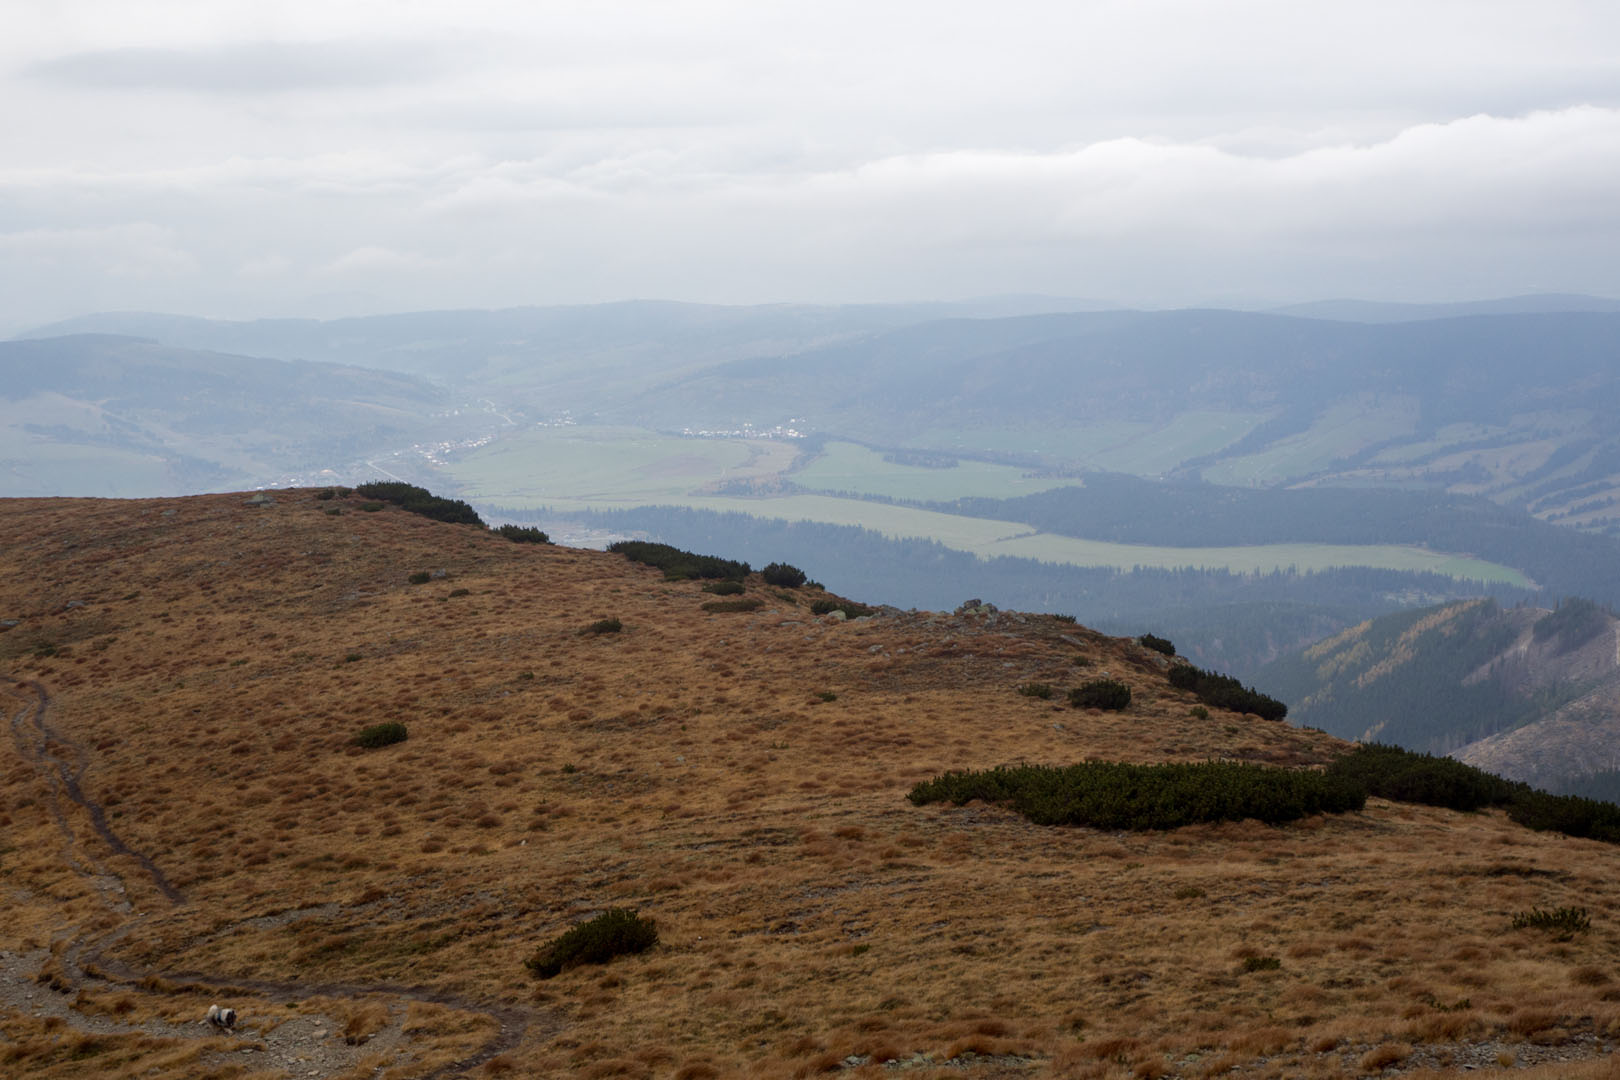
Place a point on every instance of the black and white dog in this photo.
(222, 1019)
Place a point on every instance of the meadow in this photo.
(740, 778)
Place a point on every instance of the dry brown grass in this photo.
(806, 911)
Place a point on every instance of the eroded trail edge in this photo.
(61, 763)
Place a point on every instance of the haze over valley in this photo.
(679, 542)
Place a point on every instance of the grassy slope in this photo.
(807, 911)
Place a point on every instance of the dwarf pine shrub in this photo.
(418, 500)
(1225, 692)
(1391, 772)
(723, 588)
(679, 565)
(1108, 694)
(381, 735)
(522, 534)
(1157, 644)
(1111, 795)
(615, 932)
(604, 626)
(1037, 690)
(783, 576)
(421, 577)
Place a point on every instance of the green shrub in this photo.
(827, 695)
(783, 575)
(459, 592)
(371, 507)
(679, 565)
(747, 603)
(381, 735)
(335, 511)
(1037, 690)
(1571, 815)
(1261, 963)
(615, 932)
(1157, 644)
(723, 588)
(1391, 772)
(1564, 922)
(329, 493)
(850, 608)
(604, 626)
(522, 534)
(1225, 692)
(1198, 712)
(1108, 694)
(417, 500)
(1110, 795)
(421, 577)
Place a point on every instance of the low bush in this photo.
(679, 565)
(1110, 795)
(747, 603)
(371, 507)
(724, 588)
(1108, 694)
(615, 932)
(381, 735)
(418, 500)
(421, 577)
(782, 575)
(604, 626)
(1571, 815)
(1157, 644)
(850, 608)
(1037, 690)
(1225, 692)
(1564, 922)
(522, 534)
(1261, 963)
(1391, 772)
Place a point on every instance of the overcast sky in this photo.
(239, 159)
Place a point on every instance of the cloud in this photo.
(259, 67)
(138, 250)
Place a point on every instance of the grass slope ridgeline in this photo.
(399, 826)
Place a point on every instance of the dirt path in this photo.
(305, 1045)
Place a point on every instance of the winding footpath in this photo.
(308, 1045)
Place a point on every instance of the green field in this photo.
(569, 469)
(845, 466)
(1344, 430)
(1135, 447)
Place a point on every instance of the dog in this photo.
(221, 1019)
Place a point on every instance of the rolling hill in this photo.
(189, 819)
(102, 414)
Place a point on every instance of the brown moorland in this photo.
(185, 818)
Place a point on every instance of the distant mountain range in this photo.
(114, 415)
(1525, 692)
(1521, 404)
(1374, 311)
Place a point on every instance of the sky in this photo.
(348, 156)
